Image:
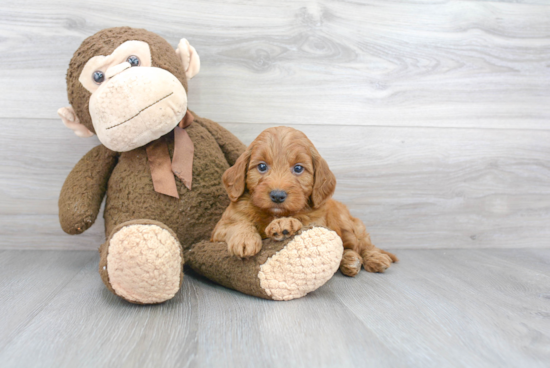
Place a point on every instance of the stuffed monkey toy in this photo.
(160, 166)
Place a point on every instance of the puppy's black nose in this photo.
(277, 196)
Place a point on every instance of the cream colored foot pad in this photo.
(306, 263)
(144, 264)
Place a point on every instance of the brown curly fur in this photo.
(252, 215)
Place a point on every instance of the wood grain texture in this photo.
(375, 62)
(413, 187)
(29, 281)
(474, 308)
(450, 307)
(434, 115)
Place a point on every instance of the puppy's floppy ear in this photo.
(234, 178)
(324, 181)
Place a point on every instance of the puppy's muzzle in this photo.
(277, 196)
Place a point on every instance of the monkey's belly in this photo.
(131, 196)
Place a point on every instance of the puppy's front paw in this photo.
(245, 244)
(282, 228)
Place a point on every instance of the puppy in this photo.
(281, 183)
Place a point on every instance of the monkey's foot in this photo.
(142, 262)
(280, 271)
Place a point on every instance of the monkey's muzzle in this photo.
(136, 107)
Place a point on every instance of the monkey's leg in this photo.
(282, 270)
(142, 262)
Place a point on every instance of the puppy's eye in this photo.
(98, 76)
(133, 60)
(262, 167)
(298, 169)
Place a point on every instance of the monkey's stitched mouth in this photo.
(140, 111)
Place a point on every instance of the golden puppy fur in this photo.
(281, 183)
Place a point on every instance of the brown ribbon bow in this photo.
(162, 170)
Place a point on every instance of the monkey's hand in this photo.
(84, 189)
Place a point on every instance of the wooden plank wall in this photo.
(434, 115)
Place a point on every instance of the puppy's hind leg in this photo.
(351, 263)
(393, 257)
(374, 259)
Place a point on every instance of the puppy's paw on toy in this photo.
(283, 228)
(245, 244)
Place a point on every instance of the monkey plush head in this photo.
(128, 86)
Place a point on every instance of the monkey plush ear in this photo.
(71, 121)
(189, 58)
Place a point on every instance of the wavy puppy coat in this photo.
(281, 183)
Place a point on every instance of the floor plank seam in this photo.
(320, 126)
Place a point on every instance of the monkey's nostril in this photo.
(277, 196)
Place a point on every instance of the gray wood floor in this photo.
(452, 308)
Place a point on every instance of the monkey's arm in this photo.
(84, 189)
(231, 146)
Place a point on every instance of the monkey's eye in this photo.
(298, 169)
(98, 76)
(262, 167)
(133, 60)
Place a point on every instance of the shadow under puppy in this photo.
(281, 183)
